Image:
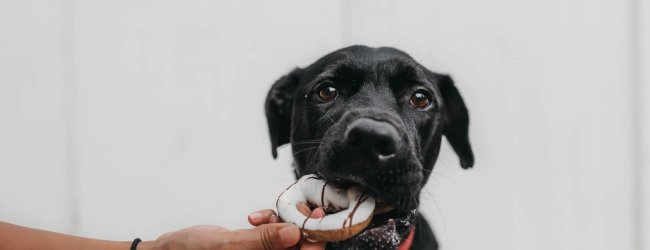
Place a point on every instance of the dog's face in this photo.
(372, 117)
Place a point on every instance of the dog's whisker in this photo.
(304, 149)
(315, 140)
(329, 117)
(437, 173)
(428, 192)
(325, 119)
(436, 205)
(306, 143)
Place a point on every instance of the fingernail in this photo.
(255, 216)
(289, 235)
(274, 219)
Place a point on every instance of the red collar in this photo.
(406, 244)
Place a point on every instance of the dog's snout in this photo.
(373, 136)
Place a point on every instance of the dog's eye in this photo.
(420, 99)
(328, 93)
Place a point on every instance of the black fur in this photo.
(399, 142)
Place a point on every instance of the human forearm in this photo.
(19, 238)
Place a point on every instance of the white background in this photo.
(123, 119)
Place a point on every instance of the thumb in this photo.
(268, 236)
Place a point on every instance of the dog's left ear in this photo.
(278, 107)
(456, 120)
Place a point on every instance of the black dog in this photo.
(372, 117)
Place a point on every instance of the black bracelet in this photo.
(134, 245)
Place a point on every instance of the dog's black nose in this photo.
(374, 136)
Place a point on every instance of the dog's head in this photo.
(369, 116)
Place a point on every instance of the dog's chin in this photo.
(388, 229)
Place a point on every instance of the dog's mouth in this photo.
(390, 224)
(386, 230)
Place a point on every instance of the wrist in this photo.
(148, 245)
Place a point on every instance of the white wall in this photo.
(132, 118)
(170, 109)
(33, 138)
(551, 118)
(643, 81)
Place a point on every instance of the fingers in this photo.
(267, 236)
(317, 213)
(276, 235)
(262, 217)
(275, 219)
(303, 208)
(269, 216)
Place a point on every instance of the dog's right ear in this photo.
(278, 107)
(456, 121)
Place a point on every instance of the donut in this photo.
(348, 211)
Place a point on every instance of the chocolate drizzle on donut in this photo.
(312, 177)
(308, 178)
(302, 228)
(322, 195)
(278, 199)
(363, 197)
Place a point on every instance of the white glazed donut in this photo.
(349, 210)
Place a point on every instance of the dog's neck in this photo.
(408, 242)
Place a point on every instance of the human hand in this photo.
(266, 236)
(269, 217)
